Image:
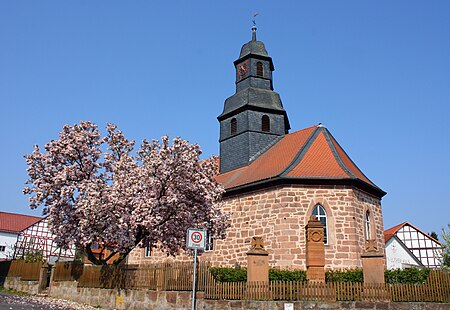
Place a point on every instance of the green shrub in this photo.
(349, 275)
(404, 276)
(401, 276)
(287, 275)
(224, 274)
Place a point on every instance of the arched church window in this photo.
(259, 69)
(233, 126)
(321, 215)
(367, 224)
(265, 123)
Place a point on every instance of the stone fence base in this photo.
(15, 283)
(144, 299)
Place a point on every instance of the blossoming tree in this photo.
(96, 190)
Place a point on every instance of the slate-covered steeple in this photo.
(253, 119)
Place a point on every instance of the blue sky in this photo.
(376, 73)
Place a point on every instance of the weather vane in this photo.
(254, 18)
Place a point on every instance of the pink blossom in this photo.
(119, 199)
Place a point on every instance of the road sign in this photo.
(196, 239)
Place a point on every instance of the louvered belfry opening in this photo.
(259, 69)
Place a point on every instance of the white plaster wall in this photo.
(8, 240)
(397, 256)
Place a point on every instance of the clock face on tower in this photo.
(242, 69)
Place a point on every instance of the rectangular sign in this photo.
(289, 306)
(196, 239)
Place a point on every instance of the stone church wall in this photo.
(280, 214)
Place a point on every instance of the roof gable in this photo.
(389, 233)
(395, 244)
(14, 223)
(424, 247)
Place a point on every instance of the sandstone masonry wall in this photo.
(279, 215)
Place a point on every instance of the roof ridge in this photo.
(297, 131)
(420, 230)
(303, 150)
(394, 229)
(351, 160)
(18, 214)
(341, 164)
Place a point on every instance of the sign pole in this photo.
(195, 279)
(196, 240)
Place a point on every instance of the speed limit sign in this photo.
(196, 239)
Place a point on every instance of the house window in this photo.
(209, 242)
(321, 215)
(367, 225)
(233, 126)
(2, 248)
(148, 251)
(259, 69)
(265, 123)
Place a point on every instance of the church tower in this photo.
(253, 119)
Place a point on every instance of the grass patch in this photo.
(13, 292)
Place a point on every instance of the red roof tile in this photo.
(307, 154)
(15, 223)
(318, 162)
(389, 233)
(349, 163)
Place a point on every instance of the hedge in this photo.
(404, 276)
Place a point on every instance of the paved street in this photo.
(15, 302)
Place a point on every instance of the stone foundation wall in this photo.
(280, 214)
(279, 305)
(121, 299)
(15, 283)
(137, 300)
(144, 299)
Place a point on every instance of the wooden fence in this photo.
(435, 289)
(179, 277)
(162, 276)
(26, 271)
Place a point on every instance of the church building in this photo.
(275, 180)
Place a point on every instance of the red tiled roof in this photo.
(308, 154)
(269, 164)
(15, 223)
(319, 161)
(389, 233)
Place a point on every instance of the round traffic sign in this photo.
(196, 237)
